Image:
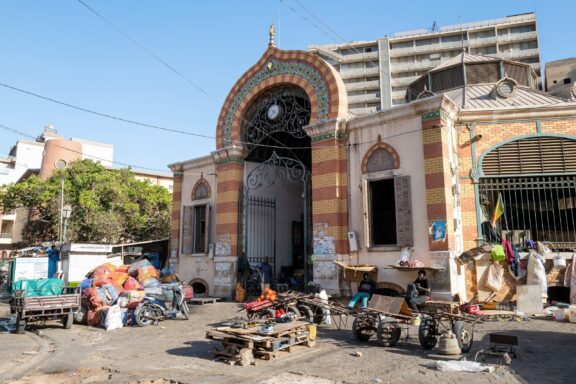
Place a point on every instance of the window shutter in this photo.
(187, 221)
(403, 211)
(207, 228)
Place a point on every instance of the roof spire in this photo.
(271, 31)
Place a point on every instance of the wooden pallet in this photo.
(242, 345)
(204, 300)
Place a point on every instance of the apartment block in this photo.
(377, 73)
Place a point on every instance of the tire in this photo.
(427, 334)
(267, 313)
(319, 315)
(388, 333)
(361, 333)
(464, 334)
(144, 315)
(185, 310)
(306, 312)
(68, 320)
(20, 324)
(294, 310)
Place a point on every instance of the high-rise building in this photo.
(377, 73)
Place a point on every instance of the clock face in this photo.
(273, 111)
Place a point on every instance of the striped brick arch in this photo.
(328, 101)
(374, 148)
(318, 79)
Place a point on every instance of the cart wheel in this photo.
(267, 313)
(319, 315)
(361, 332)
(293, 309)
(427, 334)
(388, 333)
(20, 324)
(464, 334)
(144, 315)
(185, 310)
(67, 320)
(306, 312)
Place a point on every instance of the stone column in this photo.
(329, 201)
(230, 174)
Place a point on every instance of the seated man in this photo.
(365, 290)
(418, 292)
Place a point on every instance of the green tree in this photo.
(108, 205)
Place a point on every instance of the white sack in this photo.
(461, 366)
(113, 318)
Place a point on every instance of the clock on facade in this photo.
(273, 111)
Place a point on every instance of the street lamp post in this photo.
(66, 212)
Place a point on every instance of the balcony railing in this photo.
(517, 37)
(347, 74)
(374, 84)
(5, 235)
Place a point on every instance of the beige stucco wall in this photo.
(406, 138)
(198, 266)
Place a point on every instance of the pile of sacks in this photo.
(111, 293)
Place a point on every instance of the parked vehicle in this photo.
(41, 308)
(153, 308)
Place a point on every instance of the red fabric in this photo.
(132, 284)
(102, 280)
(508, 251)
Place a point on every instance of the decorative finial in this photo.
(271, 31)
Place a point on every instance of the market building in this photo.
(298, 178)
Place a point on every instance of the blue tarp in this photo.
(39, 287)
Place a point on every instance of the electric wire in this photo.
(163, 62)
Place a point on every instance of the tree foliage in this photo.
(108, 205)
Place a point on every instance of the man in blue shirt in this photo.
(265, 274)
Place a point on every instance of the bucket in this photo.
(559, 262)
(558, 314)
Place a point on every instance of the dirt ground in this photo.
(176, 351)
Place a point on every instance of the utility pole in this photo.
(60, 230)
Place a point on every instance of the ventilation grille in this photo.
(482, 73)
(532, 156)
(517, 72)
(447, 79)
(415, 89)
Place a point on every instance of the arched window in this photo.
(195, 221)
(528, 191)
(201, 191)
(389, 219)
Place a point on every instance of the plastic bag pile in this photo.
(111, 293)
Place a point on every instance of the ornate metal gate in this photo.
(259, 213)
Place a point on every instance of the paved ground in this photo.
(177, 352)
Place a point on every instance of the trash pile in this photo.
(110, 293)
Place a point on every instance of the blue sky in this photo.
(61, 50)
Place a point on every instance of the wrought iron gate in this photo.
(259, 213)
(261, 229)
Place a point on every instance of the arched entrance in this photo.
(275, 208)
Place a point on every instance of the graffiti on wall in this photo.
(223, 272)
(323, 242)
(224, 245)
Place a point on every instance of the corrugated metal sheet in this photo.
(480, 97)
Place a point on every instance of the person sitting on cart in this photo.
(365, 290)
(265, 270)
(418, 292)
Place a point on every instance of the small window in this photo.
(389, 212)
(195, 229)
(201, 191)
(567, 81)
